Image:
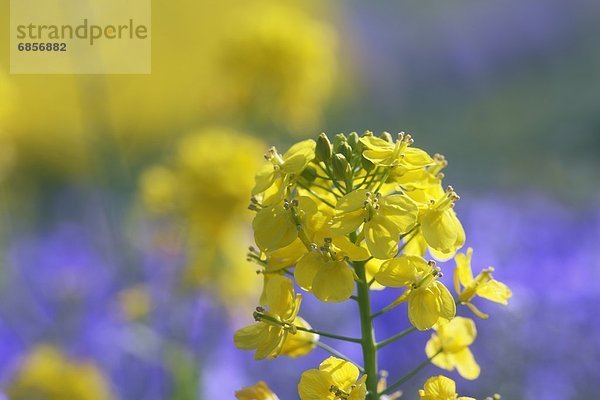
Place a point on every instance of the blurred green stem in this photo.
(412, 373)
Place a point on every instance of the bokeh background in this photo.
(123, 198)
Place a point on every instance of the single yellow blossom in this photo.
(483, 285)
(274, 227)
(401, 271)
(422, 184)
(300, 343)
(325, 271)
(135, 302)
(385, 219)
(428, 299)
(440, 388)
(441, 228)
(277, 226)
(281, 167)
(258, 391)
(268, 334)
(286, 256)
(451, 343)
(336, 379)
(429, 303)
(386, 154)
(47, 374)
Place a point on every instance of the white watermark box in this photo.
(80, 37)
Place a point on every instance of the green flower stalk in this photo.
(341, 219)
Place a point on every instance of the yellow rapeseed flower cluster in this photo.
(204, 188)
(47, 374)
(347, 217)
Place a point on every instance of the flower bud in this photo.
(367, 165)
(309, 173)
(387, 137)
(341, 168)
(353, 140)
(323, 150)
(345, 150)
(338, 140)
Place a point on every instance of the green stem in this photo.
(369, 346)
(329, 173)
(385, 309)
(315, 194)
(406, 377)
(260, 316)
(337, 354)
(329, 335)
(396, 337)
(329, 189)
(385, 177)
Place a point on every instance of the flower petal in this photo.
(343, 373)
(315, 385)
(334, 282)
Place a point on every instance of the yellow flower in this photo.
(427, 304)
(47, 374)
(208, 182)
(135, 302)
(401, 271)
(422, 184)
(386, 154)
(258, 391)
(440, 227)
(440, 388)
(428, 299)
(6, 97)
(384, 218)
(453, 340)
(483, 285)
(280, 167)
(300, 343)
(279, 63)
(325, 271)
(276, 226)
(335, 379)
(286, 256)
(268, 334)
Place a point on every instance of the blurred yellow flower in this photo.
(47, 374)
(258, 391)
(205, 189)
(135, 302)
(280, 62)
(6, 98)
(483, 285)
(335, 379)
(440, 388)
(268, 60)
(450, 346)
